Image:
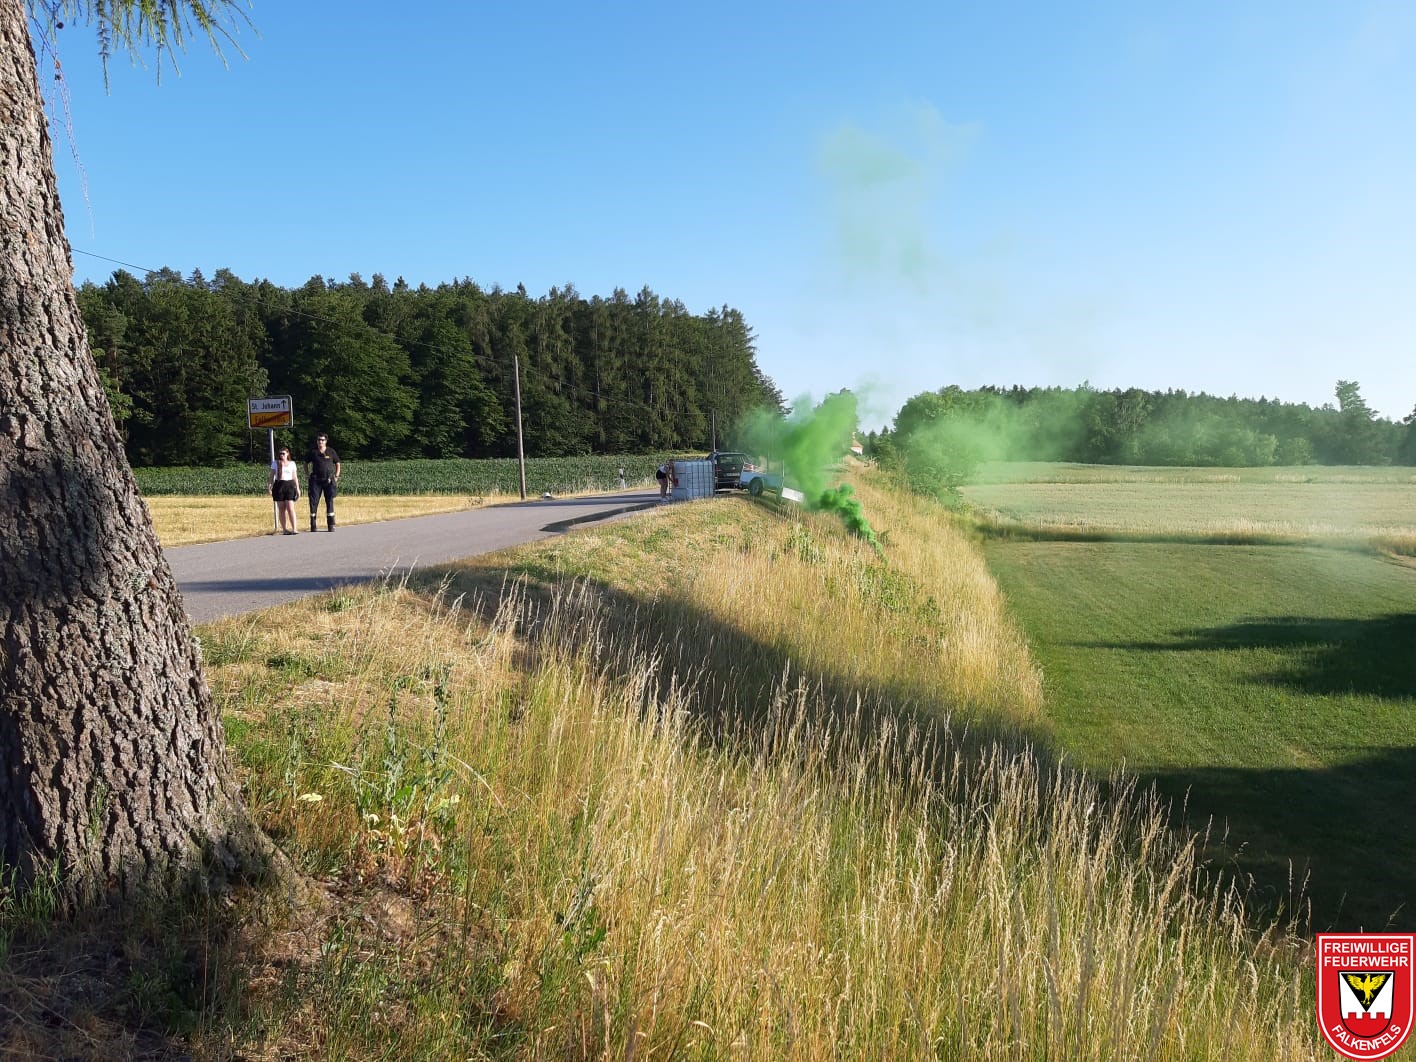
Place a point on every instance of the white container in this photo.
(695, 480)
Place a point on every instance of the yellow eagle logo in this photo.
(1367, 986)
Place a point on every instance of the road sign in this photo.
(275, 411)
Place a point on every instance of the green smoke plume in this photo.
(842, 501)
(808, 444)
(941, 436)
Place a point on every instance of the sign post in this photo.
(274, 411)
(520, 445)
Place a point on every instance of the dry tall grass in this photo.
(710, 783)
(634, 856)
(1401, 546)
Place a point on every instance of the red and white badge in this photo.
(1366, 994)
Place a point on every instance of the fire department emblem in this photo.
(1366, 997)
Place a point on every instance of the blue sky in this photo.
(898, 196)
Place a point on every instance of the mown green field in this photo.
(1248, 503)
(1272, 687)
(559, 475)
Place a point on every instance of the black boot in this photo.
(329, 521)
(313, 527)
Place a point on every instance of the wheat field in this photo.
(187, 520)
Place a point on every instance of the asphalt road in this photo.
(220, 579)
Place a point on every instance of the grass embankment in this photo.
(691, 784)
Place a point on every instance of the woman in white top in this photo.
(285, 489)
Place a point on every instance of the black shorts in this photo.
(284, 490)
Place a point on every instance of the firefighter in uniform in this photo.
(323, 463)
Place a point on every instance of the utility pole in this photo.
(714, 390)
(520, 443)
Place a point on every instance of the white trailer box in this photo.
(695, 480)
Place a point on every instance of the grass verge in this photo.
(714, 781)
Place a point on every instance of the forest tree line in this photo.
(941, 435)
(396, 371)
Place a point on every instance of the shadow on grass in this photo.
(1346, 829)
(1347, 825)
(1276, 819)
(271, 967)
(130, 978)
(732, 678)
(1002, 531)
(1373, 655)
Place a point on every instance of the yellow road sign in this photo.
(274, 412)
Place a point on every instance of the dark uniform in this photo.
(322, 481)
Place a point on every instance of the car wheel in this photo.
(755, 487)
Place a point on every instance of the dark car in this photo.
(727, 469)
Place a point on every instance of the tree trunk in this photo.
(113, 765)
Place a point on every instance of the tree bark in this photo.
(114, 776)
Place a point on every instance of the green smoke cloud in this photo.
(940, 437)
(842, 501)
(809, 444)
